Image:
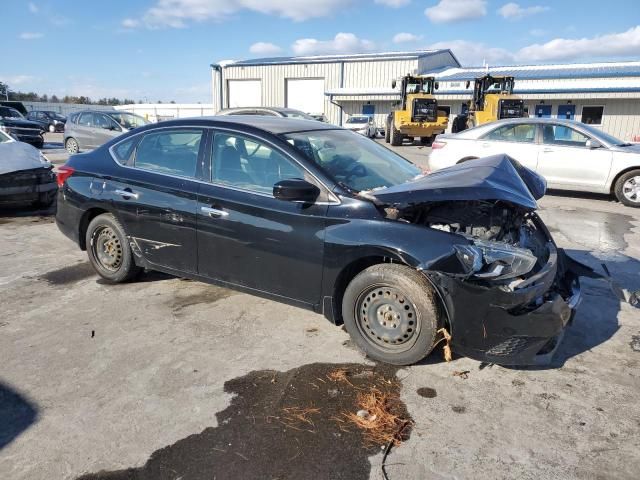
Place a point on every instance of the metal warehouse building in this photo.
(337, 85)
(602, 94)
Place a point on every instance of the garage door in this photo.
(245, 93)
(306, 94)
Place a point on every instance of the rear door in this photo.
(518, 140)
(566, 162)
(83, 130)
(246, 236)
(155, 194)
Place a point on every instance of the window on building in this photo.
(592, 115)
(172, 153)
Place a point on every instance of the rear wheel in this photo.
(109, 251)
(46, 199)
(71, 145)
(627, 189)
(387, 133)
(391, 313)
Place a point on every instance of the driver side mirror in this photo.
(592, 144)
(296, 190)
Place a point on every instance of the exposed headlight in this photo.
(495, 260)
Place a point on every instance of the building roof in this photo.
(540, 72)
(358, 57)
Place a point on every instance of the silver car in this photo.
(86, 130)
(362, 124)
(569, 154)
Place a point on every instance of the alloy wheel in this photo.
(631, 189)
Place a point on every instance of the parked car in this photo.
(15, 105)
(13, 123)
(321, 117)
(89, 129)
(26, 175)
(362, 124)
(50, 121)
(321, 218)
(569, 154)
(266, 111)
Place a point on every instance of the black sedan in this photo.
(50, 121)
(322, 218)
(13, 123)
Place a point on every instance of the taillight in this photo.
(63, 173)
(437, 144)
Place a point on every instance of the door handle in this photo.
(126, 193)
(547, 150)
(213, 212)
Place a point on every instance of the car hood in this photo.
(19, 122)
(356, 126)
(498, 177)
(16, 156)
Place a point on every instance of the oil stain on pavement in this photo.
(298, 424)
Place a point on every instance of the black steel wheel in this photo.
(108, 250)
(391, 313)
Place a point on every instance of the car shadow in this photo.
(8, 213)
(16, 414)
(601, 197)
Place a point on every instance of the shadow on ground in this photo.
(285, 425)
(16, 414)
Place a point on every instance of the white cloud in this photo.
(15, 80)
(624, 44)
(341, 43)
(33, 8)
(474, 53)
(130, 23)
(513, 11)
(404, 37)
(31, 35)
(447, 11)
(537, 32)
(264, 48)
(393, 3)
(178, 13)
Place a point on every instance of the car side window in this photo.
(123, 151)
(102, 121)
(86, 120)
(250, 164)
(169, 152)
(563, 136)
(522, 132)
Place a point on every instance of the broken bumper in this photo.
(520, 327)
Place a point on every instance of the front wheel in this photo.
(627, 189)
(396, 136)
(109, 251)
(387, 133)
(391, 313)
(71, 145)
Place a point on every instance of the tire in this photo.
(627, 188)
(396, 136)
(427, 140)
(71, 145)
(387, 133)
(52, 128)
(109, 251)
(391, 314)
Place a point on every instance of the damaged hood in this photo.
(16, 156)
(498, 177)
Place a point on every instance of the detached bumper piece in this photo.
(523, 326)
(26, 185)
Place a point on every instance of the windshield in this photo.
(128, 120)
(610, 139)
(294, 114)
(353, 160)
(56, 116)
(358, 120)
(7, 112)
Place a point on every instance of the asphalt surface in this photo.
(168, 378)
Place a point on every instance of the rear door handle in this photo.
(214, 212)
(126, 193)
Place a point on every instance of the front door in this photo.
(155, 195)
(249, 238)
(566, 162)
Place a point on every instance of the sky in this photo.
(154, 50)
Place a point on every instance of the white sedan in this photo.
(570, 155)
(362, 124)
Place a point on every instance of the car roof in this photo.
(274, 125)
